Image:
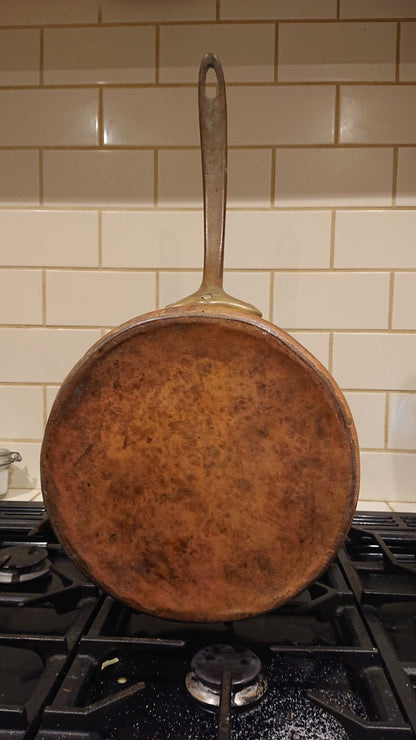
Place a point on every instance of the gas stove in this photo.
(337, 662)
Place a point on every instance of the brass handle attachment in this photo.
(213, 131)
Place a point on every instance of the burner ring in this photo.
(21, 563)
(207, 668)
(210, 662)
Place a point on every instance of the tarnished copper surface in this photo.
(200, 465)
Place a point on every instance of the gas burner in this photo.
(208, 667)
(23, 563)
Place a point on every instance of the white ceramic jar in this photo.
(6, 459)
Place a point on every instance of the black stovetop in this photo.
(340, 659)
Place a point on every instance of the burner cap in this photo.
(208, 666)
(23, 563)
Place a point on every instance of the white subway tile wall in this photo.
(101, 196)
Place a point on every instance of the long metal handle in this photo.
(213, 130)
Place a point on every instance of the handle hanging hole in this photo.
(211, 85)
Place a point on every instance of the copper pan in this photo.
(198, 463)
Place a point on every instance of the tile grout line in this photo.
(390, 450)
(273, 178)
(100, 239)
(391, 300)
(39, 384)
(217, 11)
(233, 147)
(276, 53)
(44, 312)
(386, 421)
(271, 298)
(100, 122)
(155, 178)
(99, 12)
(45, 404)
(398, 45)
(337, 114)
(395, 175)
(40, 167)
(41, 56)
(192, 85)
(332, 240)
(208, 21)
(157, 54)
(330, 350)
(290, 329)
(157, 289)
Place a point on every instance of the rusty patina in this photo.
(198, 463)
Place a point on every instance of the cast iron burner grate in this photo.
(339, 659)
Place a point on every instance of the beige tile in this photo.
(19, 177)
(334, 177)
(273, 240)
(363, 505)
(20, 297)
(51, 393)
(49, 238)
(406, 177)
(299, 114)
(336, 51)
(99, 55)
(24, 474)
(368, 411)
(152, 239)
(379, 239)
(246, 51)
(408, 52)
(382, 114)
(331, 300)
(316, 342)
(19, 57)
(403, 507)
(275, 9)
(41, 12)
(375, 361)
(57, 117)
(42, 355)
(402, 421)
(151, 116)
(98, 177)
(76, 298)
(251, 287)
(21, 412)
(176, 285)
(388, 476)
(158, 10)
(249, 178)
(377, 9)
(404, 301)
